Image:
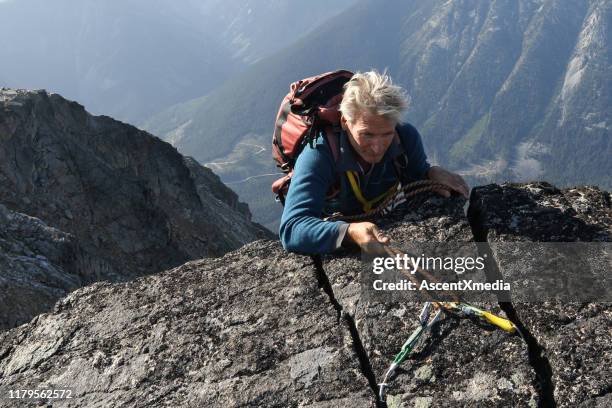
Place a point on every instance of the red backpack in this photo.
(312, 104)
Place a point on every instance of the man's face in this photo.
(370, 135)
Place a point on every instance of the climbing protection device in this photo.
(409, 345)
(458, 308)
(465, 309)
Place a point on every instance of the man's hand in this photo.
(454, 181)
(367, 235)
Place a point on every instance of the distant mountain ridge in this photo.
(499, 89)
(132, 58)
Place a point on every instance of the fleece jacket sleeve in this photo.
(301, 227)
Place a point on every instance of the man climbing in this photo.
(374, 152)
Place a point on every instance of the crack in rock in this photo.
(359, 349)
(542, 212)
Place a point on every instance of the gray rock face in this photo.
(39, 265)
(37, 262)
(210, 185)
(260, 327)
(541, 212)
(129, 200)
(459, 363)
(249, 329)
(575, 339)
(118, 189)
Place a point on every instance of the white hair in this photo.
(375, 93)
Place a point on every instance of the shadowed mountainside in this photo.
(117, 202)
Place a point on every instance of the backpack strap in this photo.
(400, 163)
(281, 186)
(332, 135)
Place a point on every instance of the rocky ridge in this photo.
(38, 265)
(260, 327)
(127, 203)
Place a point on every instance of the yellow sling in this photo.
(366, 204)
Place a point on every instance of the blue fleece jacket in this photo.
(302, 229)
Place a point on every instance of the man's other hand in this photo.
(367, 235)
(454, 181)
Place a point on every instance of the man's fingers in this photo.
(443, 192)
(382, 238)
(379, 235)
(458, 185)
(368, 237)
(454, 181)
(462, 186)
(462, 189)
(372, 244)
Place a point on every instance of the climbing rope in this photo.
(392, 201)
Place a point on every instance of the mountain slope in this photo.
(86, 198)
(248, 103)
(38, 265)
(580, 112)
(130, 200)
(254, 29)
(493, 84)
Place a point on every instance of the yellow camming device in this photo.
(468, 310)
